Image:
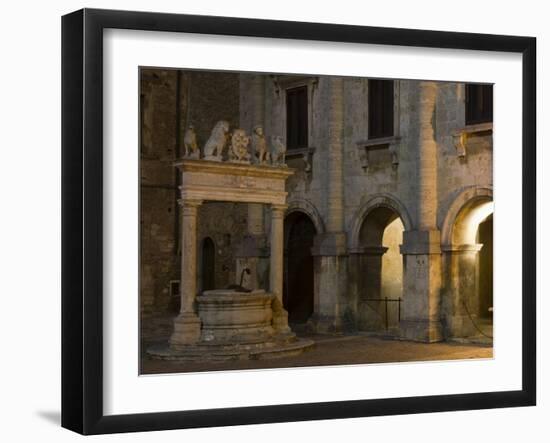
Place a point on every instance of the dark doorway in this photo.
(208, 264)
(485, 237)
(298, 275)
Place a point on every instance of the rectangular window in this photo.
(296, 118)
(380, 108)
(479, 104)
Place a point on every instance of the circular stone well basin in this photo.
(229, 316)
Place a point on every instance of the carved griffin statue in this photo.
(213, 149)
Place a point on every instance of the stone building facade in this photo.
(389, 220)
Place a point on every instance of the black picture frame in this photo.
(82, 218)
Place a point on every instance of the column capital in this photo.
(369, 250)
(189, 203)
(421, 242)
(189, 207)
(465, 248)
(278, 210)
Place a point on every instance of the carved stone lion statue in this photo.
(259, 146)
(239, 146)
(213, 149)
(190, 143)
(278, 151)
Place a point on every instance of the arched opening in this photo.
(380, 269)
(208, 264)
(392, 261)
(471, 270)
(485, 266)
(298, 280)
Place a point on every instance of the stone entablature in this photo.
(217, 181)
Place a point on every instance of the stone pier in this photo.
(330, 249)
(421, 247)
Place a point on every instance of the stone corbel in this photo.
(306, 154)
(394, 155)
(459, 142)
(364, 158)
(276, 86)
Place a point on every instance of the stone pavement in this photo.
(335, 350)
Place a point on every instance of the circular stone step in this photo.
(210, 352)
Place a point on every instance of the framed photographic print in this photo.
(269, 221)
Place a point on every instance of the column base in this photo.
(280, 319)
(427, 331)
(187, 330)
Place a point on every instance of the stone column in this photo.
(329, 249)
(422, 247)
(280, 315)
(187, 325)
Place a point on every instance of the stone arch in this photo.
(467, 263)
(457, 214)
(376, 262)
(309, 209)
(377, 201)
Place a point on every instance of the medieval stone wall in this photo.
(170, 101)
(336, 178)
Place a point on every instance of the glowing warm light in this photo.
(470, 223)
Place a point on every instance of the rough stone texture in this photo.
(165, 118)
(225, 223)
(429, 188)
(158, 193)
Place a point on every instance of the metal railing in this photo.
(387, 300)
